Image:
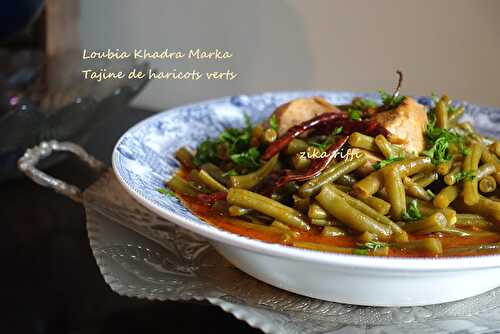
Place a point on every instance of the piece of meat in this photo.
(372, 158)
(406, 122)
(301, 110)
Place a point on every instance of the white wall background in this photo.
(448, 46)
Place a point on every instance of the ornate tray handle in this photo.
(27, 164)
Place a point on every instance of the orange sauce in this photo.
(215, 218)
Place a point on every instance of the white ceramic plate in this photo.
(144, 157)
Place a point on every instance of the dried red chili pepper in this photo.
(299, 129)
(317, 165)
(326, 123)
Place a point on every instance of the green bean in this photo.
(301, 204)
(451, 178)
(413, 166)
(489, 158)
(360, 140)
(338, 207)
(445, 197)
(377, 204)
(185, 157)
(267, 206)
(487, 184)
(366, 237)
(368, 185)
(194, 178)
(181, 186)
(467, 233)
(492, 248)
(296, 146)
(441, 112)
(395, 190)
(473, 220)
(470, 131)
(496, 175)
(210, 182)
(484, 207)
(384, 146)
(300, 161)
(313, 186)
(425, 179)
(415, 190)
(317, 212)
(399, 234)
(450, 214)
(280, 225)
(345, 189)
(323, 247)
(428, 245)
(289, 234)
(453, 117)
(471, 163)
(444, 168)
(269, 136)
(259, 228)
(215, 172)
(432, 223)
(427, 209)
(250, 180)
(382, 193)
(324, 222)
(255, 218)
(418, 176)
(495, 148)
(454, 149)
(333, 231)
(390, 150)
(486, 170)
(237, 211)
(346, 180)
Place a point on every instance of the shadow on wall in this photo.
(267, 38)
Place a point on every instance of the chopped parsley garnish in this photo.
(354, 114)
(390, 101)
(323, 145)
(206, 152)
(248, 159)
(338, 130)
(328, 141)
(235, 143)
(273, 123)
(383, 163)
(165, 191)
(412, 212)
(360, 103)
(464, 150)
(434, 98)
(463, 175)
(439, 140)
(371, 245)
(230, 172)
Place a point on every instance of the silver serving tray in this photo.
(142, 255)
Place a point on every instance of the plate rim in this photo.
(212, 233)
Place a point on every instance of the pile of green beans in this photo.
(405, 204)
